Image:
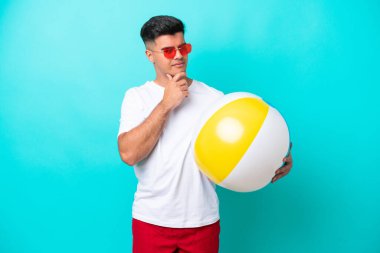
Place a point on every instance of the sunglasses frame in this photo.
(176, 49)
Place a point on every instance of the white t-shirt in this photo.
(171, 190)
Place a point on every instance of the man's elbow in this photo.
(128, 158)
(125, 154)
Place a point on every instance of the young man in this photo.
(176, 208)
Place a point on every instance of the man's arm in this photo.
(137, 143)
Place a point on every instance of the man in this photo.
(176, 208)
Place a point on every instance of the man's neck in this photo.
(162, 81)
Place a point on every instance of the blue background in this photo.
(64, 68)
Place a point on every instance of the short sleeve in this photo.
(132, 111)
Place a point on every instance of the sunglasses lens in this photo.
(185, 49)
(169, 52)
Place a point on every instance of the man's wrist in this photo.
(165, 108)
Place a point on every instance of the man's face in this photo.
(162, 64)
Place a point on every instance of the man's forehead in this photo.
(169, 40)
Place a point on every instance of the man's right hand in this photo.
(137, 143)
(176, 90)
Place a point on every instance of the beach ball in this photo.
(240, 142)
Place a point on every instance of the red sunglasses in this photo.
(170, 52)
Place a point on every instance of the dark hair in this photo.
(161, 25)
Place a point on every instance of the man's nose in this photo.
(178, 55)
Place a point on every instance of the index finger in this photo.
(179, 76)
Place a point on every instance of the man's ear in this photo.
(149, 55)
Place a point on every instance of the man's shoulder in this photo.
(138, 90)
(138, 87)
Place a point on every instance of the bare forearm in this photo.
(137, 144)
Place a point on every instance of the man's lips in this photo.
(178, 64)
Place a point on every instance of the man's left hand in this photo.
(285, 169)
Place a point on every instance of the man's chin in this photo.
(173, 72)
